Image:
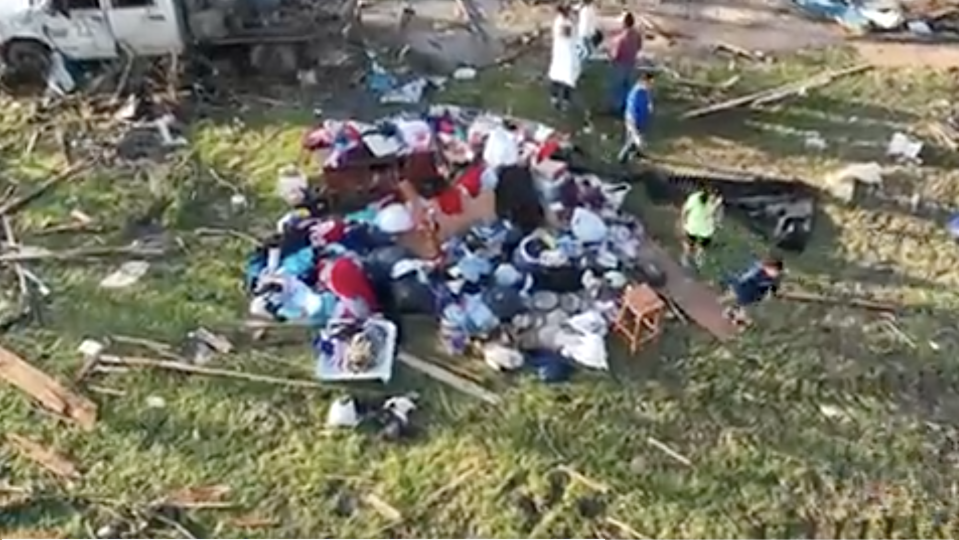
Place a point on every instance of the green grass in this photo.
(814, 423)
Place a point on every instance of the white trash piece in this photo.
(90, 348)
(500, 357)
(588, 322)
(842, 183)
(586, 349)
(903, 146)
(502, 148)
(587, 226)
(129, 273)
(464, 74)
(342, 413)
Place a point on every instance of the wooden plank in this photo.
(436, 372)
(49, 459)
(46, 390)
(699, 302)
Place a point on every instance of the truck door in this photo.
(79, 29)
(149, 27)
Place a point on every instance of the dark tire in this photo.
(27, 59)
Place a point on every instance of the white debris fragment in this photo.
(129, 273)
(842, 183)
(464, 74)
(903, 146)
(155, 402)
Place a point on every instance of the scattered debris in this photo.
(904, 147)
(583, 479)
(128, 274)
(33, 253)
(46, 390)
(130, 361)
(843, 184)
(807, 297)
(155, 402)
(202, 497)
(669, 451)
(343, 413)
(436, 372)
(46, 458)
(765, 97)
(383, 508)
(251, 521)
(15, 205)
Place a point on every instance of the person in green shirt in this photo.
(700, 218)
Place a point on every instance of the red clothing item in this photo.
(346, 279)
(471, 179)
(625, 46)
(450, 200)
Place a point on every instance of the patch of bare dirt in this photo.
(898, 54)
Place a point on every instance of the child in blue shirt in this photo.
(751, 286)
(639, 112)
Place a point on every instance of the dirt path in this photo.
(769, 26)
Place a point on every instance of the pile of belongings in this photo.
(535, 283)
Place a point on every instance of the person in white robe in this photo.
(587, 28)
(565, 61)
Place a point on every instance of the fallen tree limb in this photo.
(778, 93)
(46, 390)
(18, 203)
(169, 365)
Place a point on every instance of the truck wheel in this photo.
(27, 58)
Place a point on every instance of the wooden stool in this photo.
(641, 315)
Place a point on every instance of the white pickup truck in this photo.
(99, 29)
(87, 29)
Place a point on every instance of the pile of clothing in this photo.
(537, 284)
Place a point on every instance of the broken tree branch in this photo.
(14, 205)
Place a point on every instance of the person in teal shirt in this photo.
(699, 220)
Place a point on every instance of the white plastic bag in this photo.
(502, 148)
(500, 357)
(588, 322)
(587, 226)
(342, 413)
(586, 349)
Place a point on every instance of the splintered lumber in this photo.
(29, 253)
(16, 204)
(46, 390)
(44, 457)
(445, 376)
(778, 93)
(812, 298)
(170, 365)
